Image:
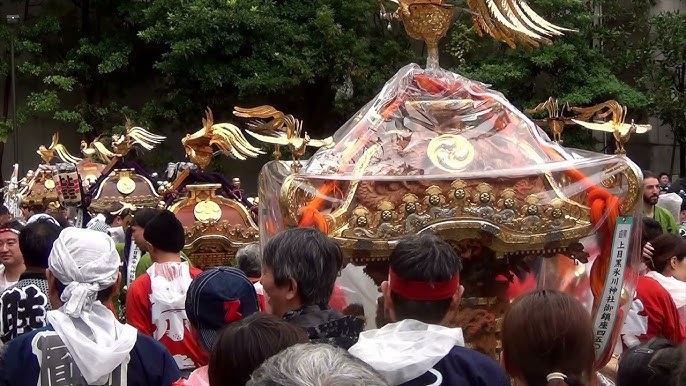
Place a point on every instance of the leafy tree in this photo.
(319, 59)
(79, 60)
(90, 63)
(570, 69)
(664, 75)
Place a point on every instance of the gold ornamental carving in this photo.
(205, 211)
(126, 185)
(50, 184)
(451, 153)
(620, 130)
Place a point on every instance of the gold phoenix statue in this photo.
(96, 149)
(281, 130)
(121, 144)
(620, 130)
(510, 21)
(56, 148)
(134, 135)
(227, 137)
(555, 120)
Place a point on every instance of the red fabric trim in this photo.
(420, 290)
(3, 230)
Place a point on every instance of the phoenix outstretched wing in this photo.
(609, 127)
(64, 155)
(144, 138)
(56, 148)
(512, 22)
(102, 151)
(231, 141)
(272, 127)
(228, 138)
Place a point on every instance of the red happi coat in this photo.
(187, 352)
(652, 314)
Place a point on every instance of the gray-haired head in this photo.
(249, 260)
(307, 256)
(315, 365)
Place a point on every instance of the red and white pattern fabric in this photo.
(155, 305)
(652, 314)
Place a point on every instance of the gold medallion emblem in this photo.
(450, 152)
(126, 185)
(49, 184)
(205, 211)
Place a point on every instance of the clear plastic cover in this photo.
(435, 151)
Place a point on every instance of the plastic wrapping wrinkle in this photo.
(435, 151)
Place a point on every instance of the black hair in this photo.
(663, 174)
(142, 216)
(4, 210)
(653, 363)
(648, 174)
(243, 345)
(307, 256)
(651, 229)
(16, 224)
(35, 242)
(165, 232)
(427, 258)
(547, 331)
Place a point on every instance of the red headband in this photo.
(3, 230)
(421, 290)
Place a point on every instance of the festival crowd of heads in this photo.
(280, 318)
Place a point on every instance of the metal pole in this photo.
(15, 136)
(13, 22)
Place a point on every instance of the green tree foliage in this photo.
(90, 63)
(663, 56)
(162, 62)
(77, 60)
(570, 69)
(320, 59)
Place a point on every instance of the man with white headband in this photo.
(83, 343)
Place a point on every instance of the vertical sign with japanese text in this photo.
(608, 308)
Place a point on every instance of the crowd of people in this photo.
(274, 319)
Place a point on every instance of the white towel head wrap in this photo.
(85, 261)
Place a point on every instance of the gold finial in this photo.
(227, 137)
(555, 120)
(510, 21)
(121, 144)
(281, 130)
(56, 148)
(134, 135)
(620, 130)
(97, 149)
